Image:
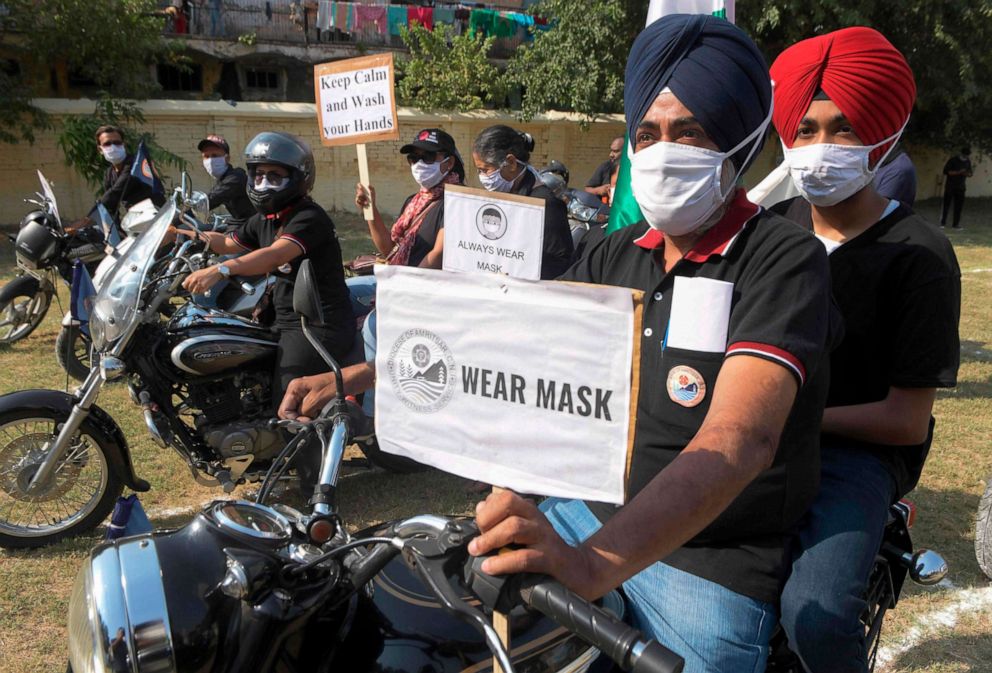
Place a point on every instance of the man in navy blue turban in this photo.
(734, 334)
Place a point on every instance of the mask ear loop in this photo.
(754, 136)
(894, 139)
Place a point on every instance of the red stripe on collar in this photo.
(719, 238)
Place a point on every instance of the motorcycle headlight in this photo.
(118, 618)
(98, 334)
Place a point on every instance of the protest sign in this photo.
(356, 104)
(494, 378)
(493, 232)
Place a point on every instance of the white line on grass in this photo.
(968, 601)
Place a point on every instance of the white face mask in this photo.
(114, 154)
(427, 175)
(215, 166)
(266, 186)
(495, 182)
(679, 187)
(826, 174)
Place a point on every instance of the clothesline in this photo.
(352, 17)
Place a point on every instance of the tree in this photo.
(446, 71)
(948, 43)
(578, 64)
(78, 144)
(112, 42)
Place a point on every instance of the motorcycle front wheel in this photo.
(72, 350)
(21, 312)
(79, 495)
(983, 532)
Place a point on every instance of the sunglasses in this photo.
(112, 142)
(426, 157)
(273, 178)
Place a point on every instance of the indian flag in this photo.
(624, 210)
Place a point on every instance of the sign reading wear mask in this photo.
(493, 232)
(356, 101)
(483, 376)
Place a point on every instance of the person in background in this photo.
(841, 103)
(500, 154)
(600, 182)
(230, 186)
(956, 171)
(896, 177)
(118, 187)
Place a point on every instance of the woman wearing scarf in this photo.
(842, 101)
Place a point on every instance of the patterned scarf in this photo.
(404, 232)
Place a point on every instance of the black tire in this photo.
(983, 532)
(72, 350)
(11, 296)
(107, 488)
(388, 461)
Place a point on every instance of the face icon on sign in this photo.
(491, 222)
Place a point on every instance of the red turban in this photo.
(859, 70)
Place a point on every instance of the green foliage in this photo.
(948, 43)
(248, 39)
(78, 144)
(578, 65)
(112, 42)
(447, 71)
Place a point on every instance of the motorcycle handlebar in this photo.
(622, 643)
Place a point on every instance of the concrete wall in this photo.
(178, 125)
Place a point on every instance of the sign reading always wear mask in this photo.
(496, 379)
(356, 102)
(492, 232)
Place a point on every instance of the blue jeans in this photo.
(369, 335)
(362, 292)
(824, 597)
(713, 628)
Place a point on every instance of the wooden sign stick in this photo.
(363, 177)
(501, 622)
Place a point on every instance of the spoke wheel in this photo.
(75, 498)
(22, 314)
(72, 350)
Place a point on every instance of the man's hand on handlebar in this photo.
(200, 281)
(507, 519)
(306, 396)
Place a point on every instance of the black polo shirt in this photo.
(601, 176)
(780, 310)
(230, 191)
(898, 287)
(307, 225)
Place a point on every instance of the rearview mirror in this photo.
(306, 297)
(185, 186)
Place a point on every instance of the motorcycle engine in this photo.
(234, 415)
(241, 437)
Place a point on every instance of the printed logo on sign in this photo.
(491, 221)
(686, 386)
(421, 369)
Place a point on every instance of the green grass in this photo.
(34, 585)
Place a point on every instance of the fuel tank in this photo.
(208, 342)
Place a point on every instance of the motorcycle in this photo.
(202, 378)
(983, 531)
(586, 213)
(248, 586)
(45, 253)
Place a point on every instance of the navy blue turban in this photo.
(711, 66)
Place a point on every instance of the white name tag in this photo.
(700, 314)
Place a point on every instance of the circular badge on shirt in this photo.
(686, 386)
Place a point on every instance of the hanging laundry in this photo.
(365, 15)
(268, 10)
(444, 15)
(422, 15)
(397, 19)
(480, 21)
(343, 16)
(502, 26)
(325, 12)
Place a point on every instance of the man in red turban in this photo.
(841, 103)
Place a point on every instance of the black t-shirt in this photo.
(427, 233)
(898, 287)
(558, 247)
(308, 226)
(956, 182)
(781, 311)
(601, 176)
(230, 191)
(121, 189)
